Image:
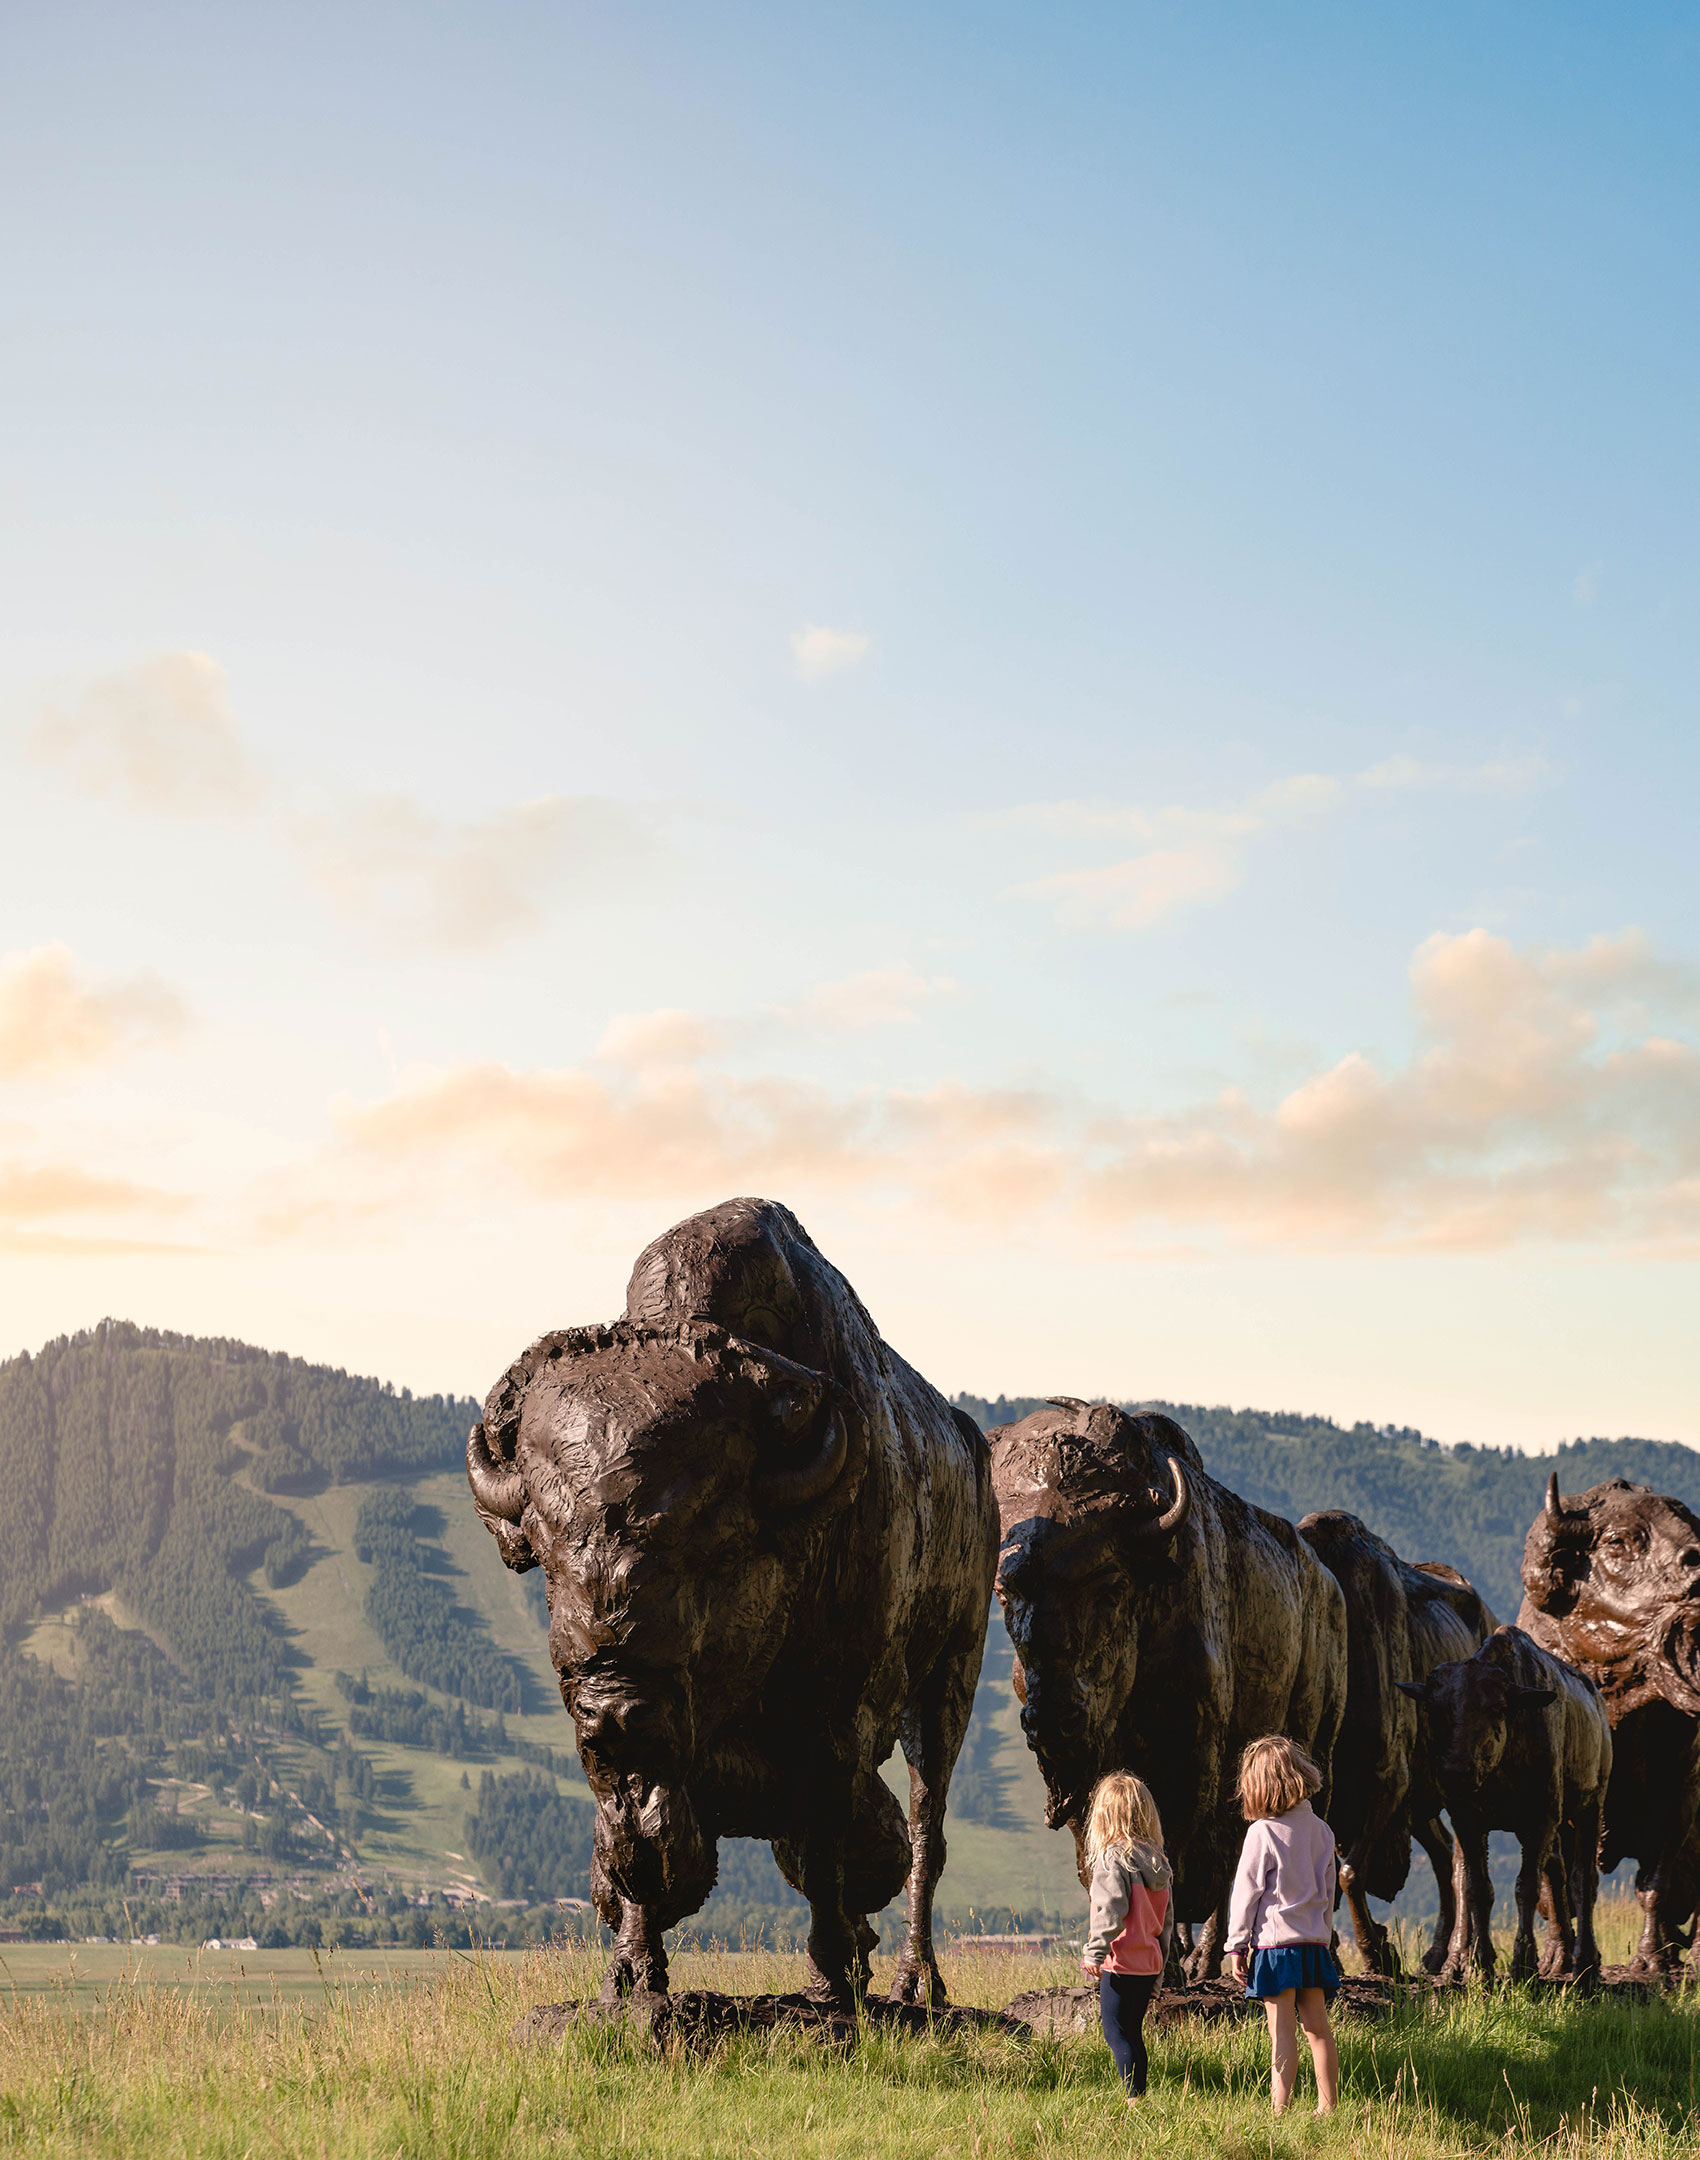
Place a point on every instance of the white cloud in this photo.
(1547, 1102)
(53, 1019)
(819, 651)
(158, 736)
(878, 997)
(161, 739)
(423, 881)
(1189, 857)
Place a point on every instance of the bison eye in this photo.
(1691, 1558)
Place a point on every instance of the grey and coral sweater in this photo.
(1132, 1918)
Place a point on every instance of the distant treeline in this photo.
(1469, 1506)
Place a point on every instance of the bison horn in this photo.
(1176, 1513)
(1554, 1505)
(798, 1483)
(498, 1491)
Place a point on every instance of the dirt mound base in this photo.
(700, 2018)
(1061, 2011)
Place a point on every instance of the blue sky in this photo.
(1063, 638)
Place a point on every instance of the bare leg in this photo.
(1312, 2012)
(1283, 2048)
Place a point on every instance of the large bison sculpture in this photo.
(1401, 1621)
(1611, 1581)
(1518, 1740)
(768, 1547)
(1160, 1622)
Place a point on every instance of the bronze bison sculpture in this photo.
(1401, 1621)
(1611, 1581)
(1160, 1622)
(1518, 1740)
(768, 1547)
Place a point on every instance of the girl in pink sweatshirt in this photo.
(1281, 1913)
(1132, 1920)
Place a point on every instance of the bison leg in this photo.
(1472, 1934)
(639, 1963)
(1584, 1886)
(1431, 1834)
(876, 1865)
(1205, 1962)
(1661, 1945)
(1375, 1945)
(1530, 1875)
(931, 1732)
(1559, 1956)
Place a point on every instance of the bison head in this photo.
(1091, 1502)
(669, 1483)
(1466, 1708)
(1617, 1571)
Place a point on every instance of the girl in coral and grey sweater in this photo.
(1132, 1918)
(1281, 1913)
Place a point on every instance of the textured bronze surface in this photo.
(1518, 1740)
(1160, 1622)
(769, 1547)
(1611, 1581)
(1401, 1621)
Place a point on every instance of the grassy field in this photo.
(175, 2053)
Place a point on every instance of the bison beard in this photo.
(769, 1547)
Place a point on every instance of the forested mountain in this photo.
(129, 1461)
(1468, 1506)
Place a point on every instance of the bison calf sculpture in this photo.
(1611, 1582)
(1401, 1621)
(768, 1547)
(1160, 1622)
(1519, 1741)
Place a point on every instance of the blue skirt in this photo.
(1295, 1965)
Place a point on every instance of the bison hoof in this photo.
(1434, 1963)
(623, 1978)
(918, 1983)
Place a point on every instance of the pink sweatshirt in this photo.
(1284, 1888)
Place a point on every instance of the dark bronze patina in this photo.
(1401, 1621)
(769, 1547)
(1517, 1740)
(1611, 1581)
(1160, 1622)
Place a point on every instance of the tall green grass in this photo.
(424, 2067)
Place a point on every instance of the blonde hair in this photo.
(1275, 1775)
(1122, 1809)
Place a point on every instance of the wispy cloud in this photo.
(1188, 857)
(819, 651)
(54, 1019)
(1548, 1102)
(158, 737)
(420, 880)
